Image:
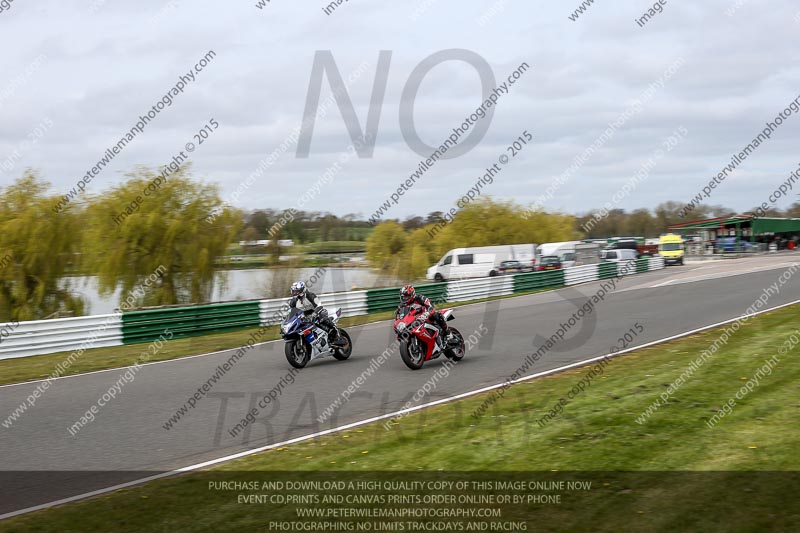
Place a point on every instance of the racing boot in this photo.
(452, 340)
(448, 337)
(441, 340)
(338, 340)
(444, 332)
(333, 335)
(444, 337)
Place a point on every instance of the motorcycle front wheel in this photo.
(412, 352)
(297, 353)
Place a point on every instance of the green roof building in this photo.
(751, 233)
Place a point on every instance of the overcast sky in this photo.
(103, 63)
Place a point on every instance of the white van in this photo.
(479, 261)
(621, 254)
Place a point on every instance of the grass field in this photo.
(671, 472)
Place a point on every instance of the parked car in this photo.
(512, 267)
(623, 254)
(643, 247)
(725, 245)
(549, 262)
(569, 259)
(625, 243)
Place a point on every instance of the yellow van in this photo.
(670, 247)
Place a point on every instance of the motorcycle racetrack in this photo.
(136, 433)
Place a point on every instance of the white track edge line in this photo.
(720, 275)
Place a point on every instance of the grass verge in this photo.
(671, 472)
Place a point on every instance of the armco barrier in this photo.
(476, 289)
(607, 270)
(68, 334)
(655, 263)
(581, 274)
(381, 299)
(533, 281)
(148, 325)
(352, 303)
(271, 312)
(387, 299)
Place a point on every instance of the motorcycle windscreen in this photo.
(292, 316)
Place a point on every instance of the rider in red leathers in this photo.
(409, 296)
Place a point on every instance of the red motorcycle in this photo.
(419, 339)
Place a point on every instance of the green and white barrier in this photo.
(147, 325)
(61, 335)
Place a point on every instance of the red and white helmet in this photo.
(407, 294)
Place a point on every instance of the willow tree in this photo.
(146, 223)
(386, 248)
(37, 248)
(488, 222)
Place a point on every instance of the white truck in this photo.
(479, 261)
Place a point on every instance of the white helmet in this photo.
(299, 288)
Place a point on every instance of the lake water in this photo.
(250, 284)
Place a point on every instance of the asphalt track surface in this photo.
(41, 462)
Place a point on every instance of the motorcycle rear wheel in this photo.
(297, 353)
(412, 353)
(343, 352)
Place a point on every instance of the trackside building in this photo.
(740, 233)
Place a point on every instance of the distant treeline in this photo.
(124, 233)
(321, 226)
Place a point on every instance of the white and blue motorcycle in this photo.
(306, 340)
